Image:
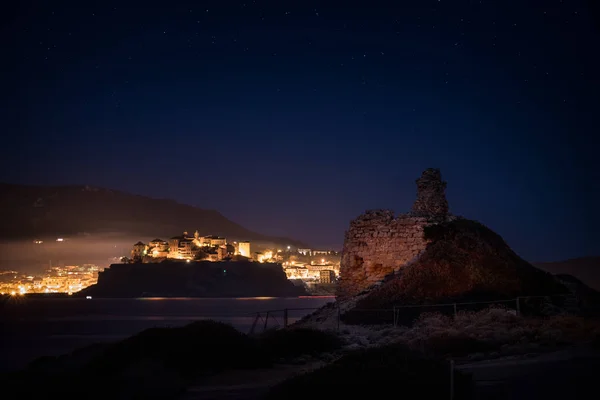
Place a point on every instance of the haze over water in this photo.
(38, 327)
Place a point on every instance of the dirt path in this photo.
(568, 374)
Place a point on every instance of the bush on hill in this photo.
(160, 362)
(200, 348)
(156, 363)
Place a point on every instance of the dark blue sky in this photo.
(292, 118)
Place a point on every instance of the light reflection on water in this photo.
(211, 299)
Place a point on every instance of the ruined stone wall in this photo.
(379, 243)
(431, 195)
(376, 245)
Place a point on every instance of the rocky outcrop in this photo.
(193, 279)
(378, 243)
(464, 261)
(428, 256)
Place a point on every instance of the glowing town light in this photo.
(13, 293)
(322, 261)
(289, 247)
(60, 240)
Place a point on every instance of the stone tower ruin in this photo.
(378, 243)
(431, 195)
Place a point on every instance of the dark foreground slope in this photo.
(193, 279)
(41, 211)
(465, 261)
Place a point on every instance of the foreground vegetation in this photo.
(160, 363)
(493, 331)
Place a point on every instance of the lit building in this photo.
(305, 252)
(215, 240)
(264, 256)
(327, 276)
(174, 246)
(221, 252)
(139, 251)
(185, 249)
(158, 244)
(158, 248)
(244, 249)
(296, 273)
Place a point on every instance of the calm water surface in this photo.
(31, 328)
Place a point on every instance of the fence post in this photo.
(518, 306)
(451, 379)
(266, 322)
(455, 310)
(338, 317)
(254, 323)
(285, 317)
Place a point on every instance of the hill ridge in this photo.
(30, 211)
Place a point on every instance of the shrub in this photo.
(289, 343)
(156, 363)
(377, 372)
(200, 348)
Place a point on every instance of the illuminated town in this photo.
(303, 266)
(68, 279)
(306, 265)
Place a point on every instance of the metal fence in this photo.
(275, 319)
(401, 314)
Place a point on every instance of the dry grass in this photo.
(490, 330)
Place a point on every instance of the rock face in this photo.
(379, 243)
(194, 279)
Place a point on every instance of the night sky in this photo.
(293, 117)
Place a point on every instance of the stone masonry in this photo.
(379, 243)
(431, 195)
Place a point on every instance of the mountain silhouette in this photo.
(29, 212)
